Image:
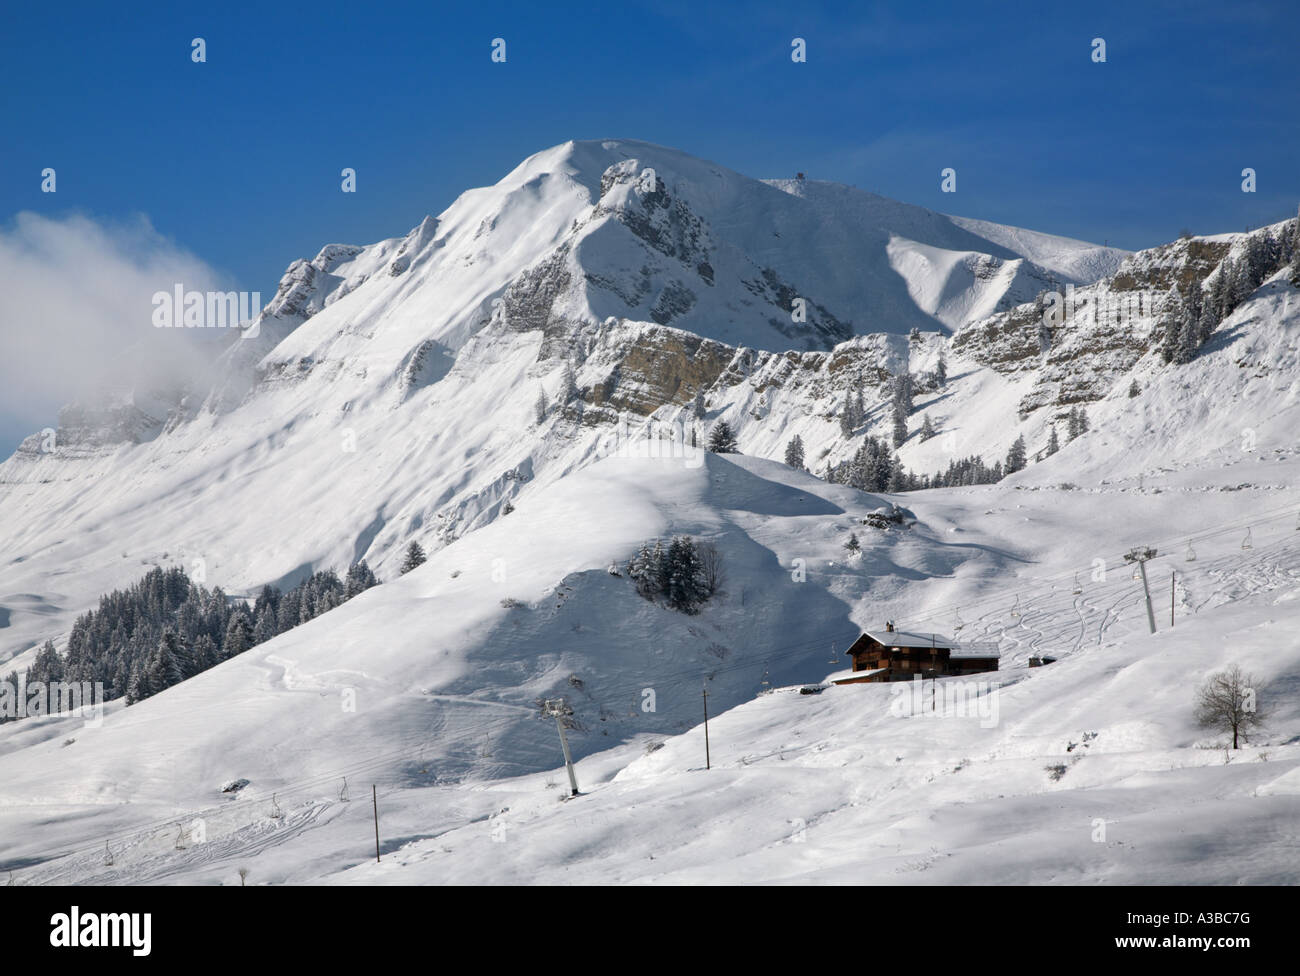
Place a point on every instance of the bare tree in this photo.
(710, 566)
(1227, 703)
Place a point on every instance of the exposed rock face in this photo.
(638, 369)
(664, 224)
(1081, 343)
(648, 367)
(529, 302)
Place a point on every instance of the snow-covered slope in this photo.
(444, 678)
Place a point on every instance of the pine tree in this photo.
(1133, 389)
(47, 667)
(851, 415)
(644, 572)
(1172, 318)
(1016, 456)
(205, 653)
(1053, 442)
(897, 476)
(927, 428)
(239, 636)
(794, 453)
(1295, 251)
(139, 686)
(540, 407)
(359, 578)
(902, 393)
(1072, 426)
(166, 669)
(697, 406)
(1188, 343)
(722, 440)
(1240, 284)
(941, 371)
(853, 546)
(686, 588)
(1257, 259)
(900, 424)
(659, 569)
(414, 557)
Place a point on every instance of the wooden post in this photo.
(707, 762)
(374, 796)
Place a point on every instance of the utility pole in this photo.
(1140, 555)
(560, 710)
(707, 763)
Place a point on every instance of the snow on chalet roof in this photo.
(901, 638)
(957, 649)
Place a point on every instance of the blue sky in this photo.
(237, 160)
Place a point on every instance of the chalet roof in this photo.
(956, 649)
(902, 638)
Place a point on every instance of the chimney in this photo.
(889, 626)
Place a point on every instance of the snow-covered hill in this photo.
(514, 385)
(444, 677)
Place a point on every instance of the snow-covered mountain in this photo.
(392, 392)
(389, 392)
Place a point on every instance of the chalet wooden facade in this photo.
(894, 655)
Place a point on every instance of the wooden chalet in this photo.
(896, 655)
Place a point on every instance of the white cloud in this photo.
(75, 313)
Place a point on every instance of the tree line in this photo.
(166, 627)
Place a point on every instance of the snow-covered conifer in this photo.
(722, 440)
(794, 452)
(414, 557)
